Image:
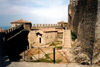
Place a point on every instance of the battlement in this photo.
(46, 25)
(10, 33)
(13, 29)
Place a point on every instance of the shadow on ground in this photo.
(11, 49)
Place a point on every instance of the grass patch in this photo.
(43, 60)
(56, 43)
(47, 60)
(52, 44)
(47, 56)
(59, 47)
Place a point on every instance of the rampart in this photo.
(14, 42)
(10, 33)
(47, 25)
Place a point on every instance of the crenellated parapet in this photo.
(45, 25)
(13, 29)
(10, 33)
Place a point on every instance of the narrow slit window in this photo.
(39, 40)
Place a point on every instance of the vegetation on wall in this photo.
(58, 47)
(56, 44)
(47, 59)
(74, 37)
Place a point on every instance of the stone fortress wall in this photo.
(84, 22)
(46, 32)
(13, 42)
(13, 31)
(59, 25)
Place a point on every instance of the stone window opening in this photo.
(39, 40)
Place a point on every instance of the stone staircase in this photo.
(67, 45)
(67, 39)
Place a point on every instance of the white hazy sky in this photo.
(36, 11)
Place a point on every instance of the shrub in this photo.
(47, 56)
(74, 37)
(59, 47)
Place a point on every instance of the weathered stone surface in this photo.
(96, 54)
(84, 22)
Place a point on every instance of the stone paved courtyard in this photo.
(31, 64)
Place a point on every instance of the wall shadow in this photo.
(3, 58)
(16, 46)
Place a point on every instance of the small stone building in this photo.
(42, 37)
(27, 24)
(49, 36)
